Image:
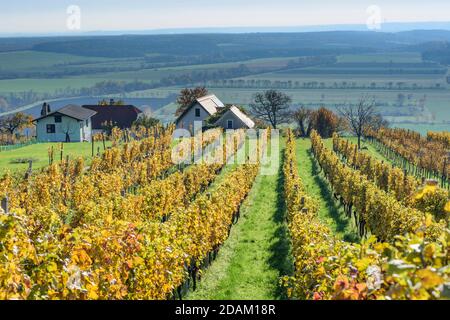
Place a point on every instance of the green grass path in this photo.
(370, 149)
(317, 186)
(39, 153)
(256, 254)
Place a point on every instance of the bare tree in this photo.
(271, 106)
(359, 116)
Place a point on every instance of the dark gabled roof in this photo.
(122, 116)
(72, 111)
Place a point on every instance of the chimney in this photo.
(45, 109)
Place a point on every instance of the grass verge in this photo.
(256, 254)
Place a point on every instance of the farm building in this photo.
(234, 118)
(200, 110)
(210, 108)
(69, 124)
(121, 116)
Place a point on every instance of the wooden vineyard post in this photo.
(405, 177)
(92, 143)
(67, 166)
(103, 139)
(30, 170)
(444, 170)
(50, 155)
(62, 151)
(5, 204)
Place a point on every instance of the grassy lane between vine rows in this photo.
(373, 151)
(369, 148)
(316, 186)
(257, 252)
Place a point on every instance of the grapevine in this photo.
(374, 209)
(392, 179)
(427, 158)
(329, 268)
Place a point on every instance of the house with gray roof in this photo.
(201, 109)
(71, 123)
(234, 118)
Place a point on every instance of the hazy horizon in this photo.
(391, 27)
(82, 16)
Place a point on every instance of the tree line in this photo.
(289, 84)
(273, 108)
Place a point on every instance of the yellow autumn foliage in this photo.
(409, 267)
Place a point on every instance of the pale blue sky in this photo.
(103, 15)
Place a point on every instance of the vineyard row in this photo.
(374, 210)
(406, 188)
(326, 268)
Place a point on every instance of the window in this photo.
(51, 128)
(197, 112)
(58, 119)
(230, 124)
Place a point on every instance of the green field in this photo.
(423, 128)
(35, 60)
(382, 70)
(32, 61)
(382, 57)
(325, 88)
(39, 154)
(157, 74)
(44, 86)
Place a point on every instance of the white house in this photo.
(69, 124)
(200, 110)
(234, 118)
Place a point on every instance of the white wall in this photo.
(60, 129)
(187, 121)
(237, 123)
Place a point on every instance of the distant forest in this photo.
(213, 48)
(315, 53)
